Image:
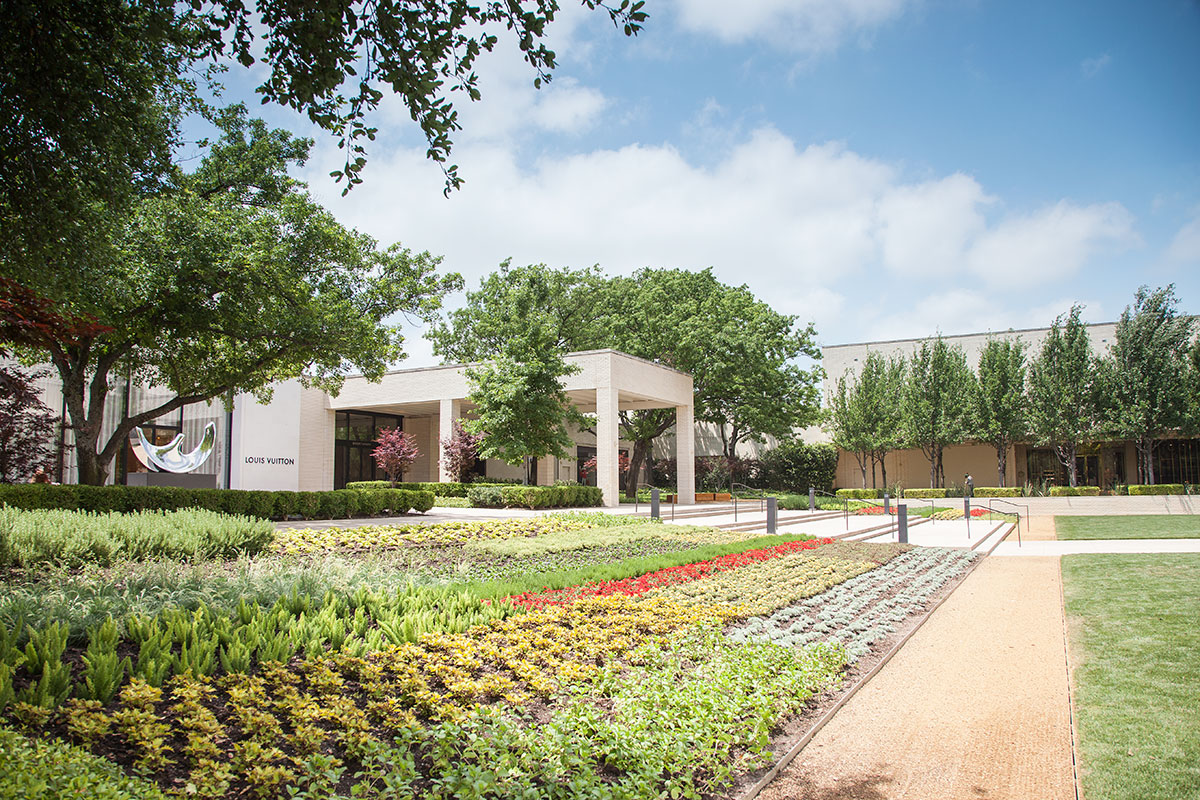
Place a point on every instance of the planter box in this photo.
(704, 497)
(722, 497)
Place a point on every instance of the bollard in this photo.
(654, 504)
(887, 509)
(812, 499)
(967, 515)
(902, 522)
(772, 514)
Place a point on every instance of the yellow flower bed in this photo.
(769, 585)
(373, 537)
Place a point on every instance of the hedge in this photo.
(534, 496)
(448, 489)
(1075, 491)
(337, 504)
(1156, 488)
(859, 494)
(999, 491)
(925, 494)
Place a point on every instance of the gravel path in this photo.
(974, 706)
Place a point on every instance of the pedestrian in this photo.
(40, 476)
(970, 486)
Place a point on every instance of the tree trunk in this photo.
(883, 470)
(874, 485)
(636, 458)
(1001, 462)
(862, 457)
(932, 471)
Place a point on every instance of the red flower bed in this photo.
(979, 512)
(873, 510)
(663, 577)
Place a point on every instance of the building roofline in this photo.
(956, 336)
(601, 351)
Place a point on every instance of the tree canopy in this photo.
(865, 414)
(1062, 401)
(998, 405)
(1144, 376)
(935, 405)
(226, 281)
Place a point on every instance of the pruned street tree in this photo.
(999, 403)
(936, 401)
(1144, 376)
(227, 281)
(847, 427)
(1062, 401)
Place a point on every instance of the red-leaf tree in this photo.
(395, 453)
(26, 426)
(460, 451)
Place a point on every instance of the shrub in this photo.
(999, 491)
(859, 494)
(550, 496)
(485, 497)
(36, 767)
(418, 500)
(286, 504)
(1156, 488)
(1074, 491)
(925, 494)
(448, 489)
(794, 466)
(372, 502)
(73, 538)
(332, 505)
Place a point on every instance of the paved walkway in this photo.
(974, 706)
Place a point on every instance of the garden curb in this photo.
(794, 751)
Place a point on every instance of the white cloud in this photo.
(1185, 246)
(925, 228)
(1050, 244)
(804, 26)
(1091, 67)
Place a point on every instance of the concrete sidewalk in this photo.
(1065, 548)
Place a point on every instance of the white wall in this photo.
(266, 440)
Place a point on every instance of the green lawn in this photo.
(1135, 645)
(1144, 526)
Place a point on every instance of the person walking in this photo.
(970, 488)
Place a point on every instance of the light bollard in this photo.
(772, 514)
(967, 515)
(654, 504)
(812, 499)
(887, 509)
(902, 523)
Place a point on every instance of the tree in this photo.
(460, 451)
(395, 452)
(1062, 407)
(521, 404)
(228, 281)
(935, 402)
(26, 425)
(998, 405)
(1145, 374)
(848, 429)
(740, 353)
(877, 393)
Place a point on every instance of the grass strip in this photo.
(1143, 526)
(1135, 645)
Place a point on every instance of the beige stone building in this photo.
(1103, 464)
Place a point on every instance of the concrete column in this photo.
(608, 477)
(448, 411)
(685, 454)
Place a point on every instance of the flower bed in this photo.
(660, 578)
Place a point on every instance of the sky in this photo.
(883, 168)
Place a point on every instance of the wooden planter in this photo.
(722, 497)
(704, 497)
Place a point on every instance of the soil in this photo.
(975, 705)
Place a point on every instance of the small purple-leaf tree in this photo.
(26, 426)
(395, 453)
(460, 451)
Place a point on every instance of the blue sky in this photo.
(885, 168)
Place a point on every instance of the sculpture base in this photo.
(182, 480)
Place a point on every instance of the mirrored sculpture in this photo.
(168, 458)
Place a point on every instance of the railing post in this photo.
(654, 514)
(902, 523)
(772, 514)
(812, 499)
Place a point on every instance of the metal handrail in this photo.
(651, 486)
(845, 505)
(1018, 513)
(930, 500)
(762, 501)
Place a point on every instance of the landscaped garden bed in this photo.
(561, 656)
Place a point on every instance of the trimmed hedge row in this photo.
(925, 494)
(534, 496)
(337, 504)
(859, 494)
(1075, 491)
(999, 491)
(449, 489)
(1157, 488)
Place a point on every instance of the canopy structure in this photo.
(608, 382)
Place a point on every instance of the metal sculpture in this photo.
(168, 458)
